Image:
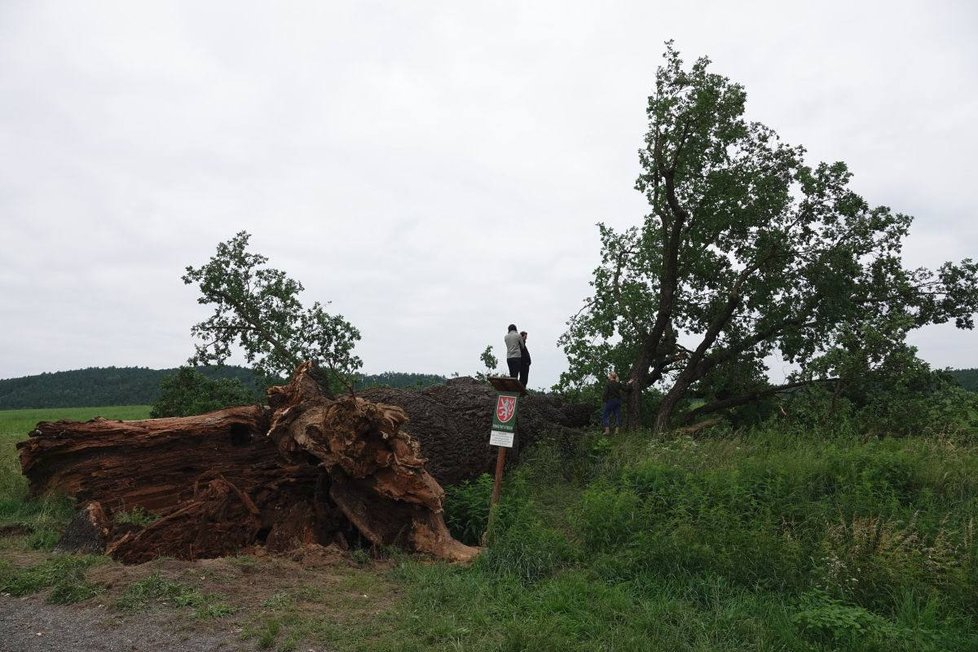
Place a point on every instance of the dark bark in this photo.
(638, 379)
(452, 424)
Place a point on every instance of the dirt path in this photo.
(30, 625)
(317, 599)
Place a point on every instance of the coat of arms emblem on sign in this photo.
(505, 408)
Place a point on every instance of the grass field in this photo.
(773, 539)
(18, 423)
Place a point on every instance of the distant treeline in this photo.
(399, 379)
(101, 386)
(967, 378)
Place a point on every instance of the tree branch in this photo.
(750, 397)
(257, 327)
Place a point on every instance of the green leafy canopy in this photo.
(257, 309)
(747, 251)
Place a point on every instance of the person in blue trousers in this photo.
(613, 393)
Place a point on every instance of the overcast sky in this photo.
(435, 169)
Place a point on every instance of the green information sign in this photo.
(504, 419)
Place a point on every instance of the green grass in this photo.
(771, 540)
(136, 516)
(21, 422)
(157, 591)
(63, 575)
(352, 612)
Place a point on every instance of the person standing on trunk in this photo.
(524, 359)
(513, 351)
(612, 402)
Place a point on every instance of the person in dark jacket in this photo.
(613, 393)
(524, 360)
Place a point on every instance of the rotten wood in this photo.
(308, 469)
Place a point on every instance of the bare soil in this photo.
(316, 589)
(30, 625)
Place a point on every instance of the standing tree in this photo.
(257, 308)
(490, 361)
(746, 252)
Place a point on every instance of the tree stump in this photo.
(306, 469)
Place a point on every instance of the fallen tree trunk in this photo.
(308, 469)
(151, 464)
(155, 466)
(219, 520)
(452, 424)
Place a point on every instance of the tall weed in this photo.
(736, 541)
(527, 550)
(467, 509)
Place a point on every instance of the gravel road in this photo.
(30, 625)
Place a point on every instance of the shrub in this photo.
(830, 622)
(136, 516)
(189, 392)
(563, 456)
(869, 560)
(44, 518)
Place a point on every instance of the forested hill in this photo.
(967, 378)
(100, 386)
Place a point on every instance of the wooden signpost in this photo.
(503, 430)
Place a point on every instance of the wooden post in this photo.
(497, 484)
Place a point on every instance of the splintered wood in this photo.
(308, 469)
